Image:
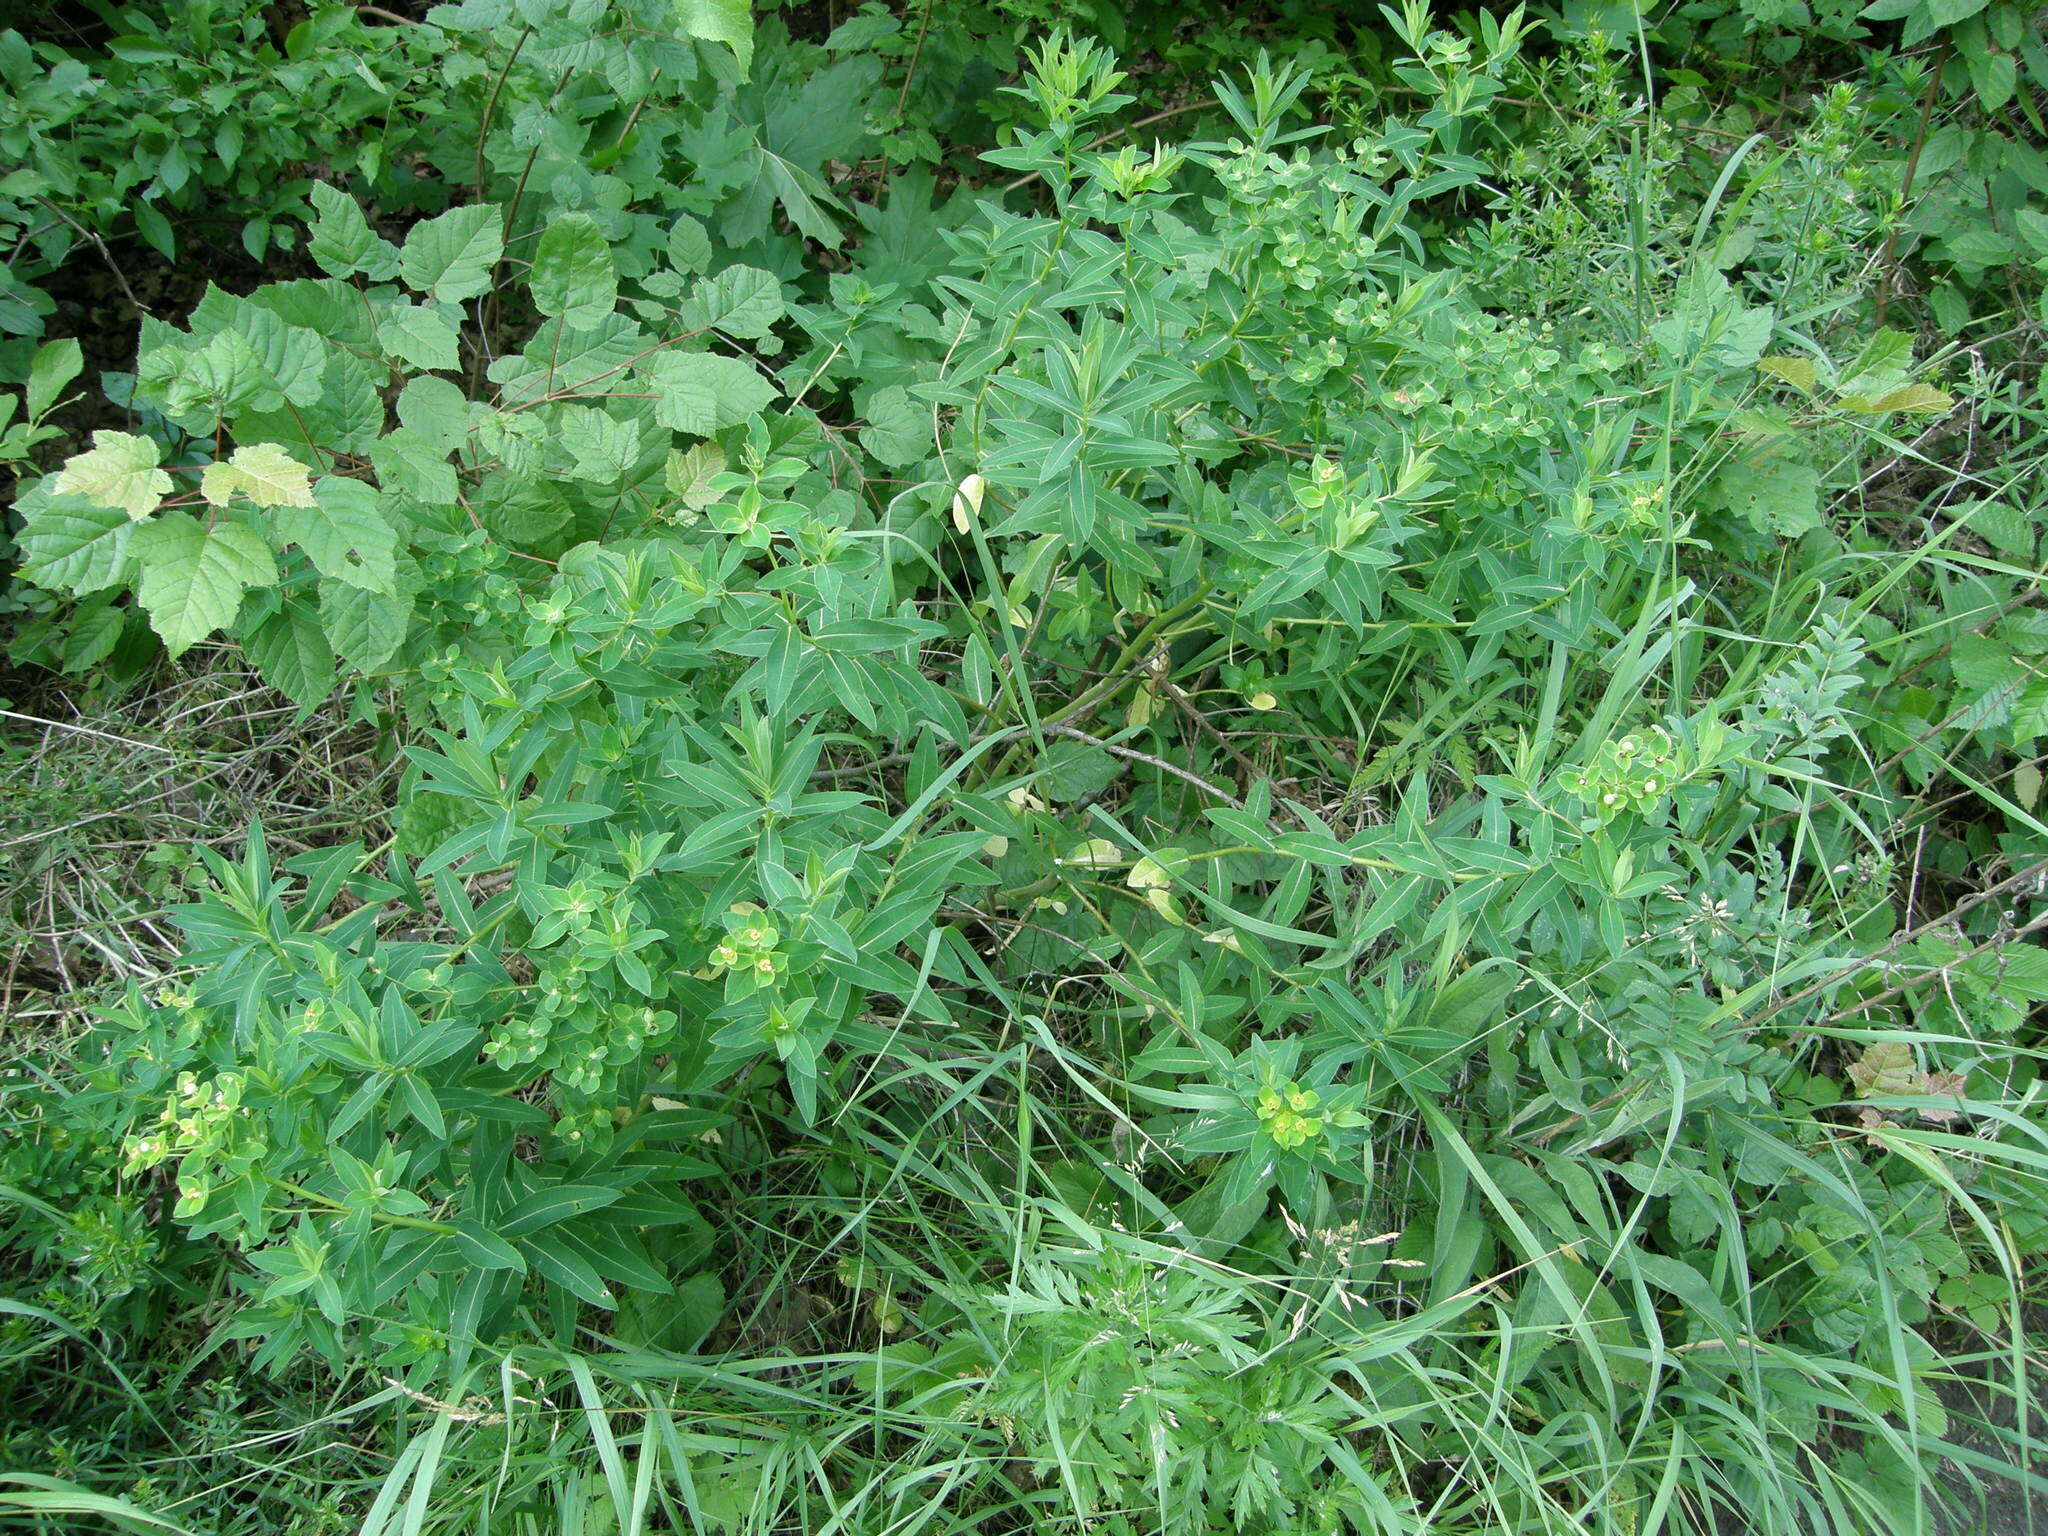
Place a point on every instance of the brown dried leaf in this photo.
(1886, 1068)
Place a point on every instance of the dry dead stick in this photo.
(1146, 757)
(1930, 973)
(1250, 769)
(2011, 883)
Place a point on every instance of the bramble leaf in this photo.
(119, 470)
(342, 242)
(193, 576)
(573, 276)
(344, 534)
(451, 257)
(688, 475)
(700, 392)
(417, 335)
(72, 545)
(365, 628)
(264, 473)
(721, 21)
(740, 301)
(899, 431)
(292, 653)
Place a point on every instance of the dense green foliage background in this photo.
(1041, 766)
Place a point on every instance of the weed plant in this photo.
(803, 791)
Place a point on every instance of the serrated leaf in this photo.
(1921, 399)
(563, 359)
(1885, 363)
(700, 392)
(689, 247)
(71, 545)
(1978, 245)
(2006, 529)
(193, 577)
(450, 257)
(119, 470)
(365, 628)
(862, 31)
(205, 383)
(292, 654)
(1775, 498)
(342, 242)
(689, 474)
(1983, 661)
(601, 446)
(721, 21)
(1885, 1068)
(344, 534)
(1994, 74)
(2031, 223)
(410, 462)
(573, 277)
(417, 335)
(93, 633)
(803, 197)
(288, 360)
(740, 301)
(1799, 372)
(900, 432)
(56, 364)
(264, 473)
(345, 419)
(435, 409)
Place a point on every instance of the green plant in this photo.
(1283, 837)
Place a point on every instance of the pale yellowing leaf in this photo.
(1799, 372)
(118, 470)
(1146, 875)
(1095, 853)
(967, 503)
(263, 472)
(1919, 399)
(1167, 906)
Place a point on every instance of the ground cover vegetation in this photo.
(1032, 766)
